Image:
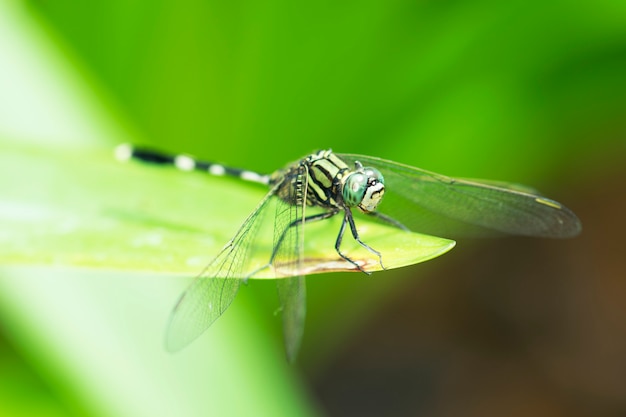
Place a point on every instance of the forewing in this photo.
(215, 288)
(435, 204)
(289, 254)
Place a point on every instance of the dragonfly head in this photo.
(364, 188)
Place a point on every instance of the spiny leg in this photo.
(309, 219)
(350, 220)
(388, 220)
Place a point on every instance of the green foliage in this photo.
(516, 91)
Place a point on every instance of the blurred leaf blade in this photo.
(88, 210)
(97, 339)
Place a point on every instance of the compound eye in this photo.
(354, 188)
(374, 175)
(364, 189)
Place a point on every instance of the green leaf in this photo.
(76, 208)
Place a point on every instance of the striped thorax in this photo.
(330, 183)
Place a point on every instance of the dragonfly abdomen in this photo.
(183, 162)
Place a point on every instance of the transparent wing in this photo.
(435, 204)
(289, 254)
(292, 295)
(215, 288)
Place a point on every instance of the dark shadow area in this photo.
(520, 327)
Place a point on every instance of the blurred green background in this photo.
(530, 92)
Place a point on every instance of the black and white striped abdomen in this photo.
(125, 152)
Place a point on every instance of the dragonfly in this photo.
(340, 184)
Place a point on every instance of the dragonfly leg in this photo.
(388, 220)
(350, 220)
(309, 219)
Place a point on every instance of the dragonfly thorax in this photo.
(330, 183)
(363, 188)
